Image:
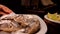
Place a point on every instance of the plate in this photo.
(43, 26)
(51, 19)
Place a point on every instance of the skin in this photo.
(5, 9)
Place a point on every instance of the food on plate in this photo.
(34, 28)
(20, 22)
(54, 16)
(2, 32)
(7, 25)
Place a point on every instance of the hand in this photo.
(4, 10)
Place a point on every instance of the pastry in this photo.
(8, 26)
(15, 23)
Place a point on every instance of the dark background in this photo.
(16, 6)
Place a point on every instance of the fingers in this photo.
(2, 13)
(6, 9)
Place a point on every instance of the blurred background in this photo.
(38, 7)
(32, 6)
(41, 5)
